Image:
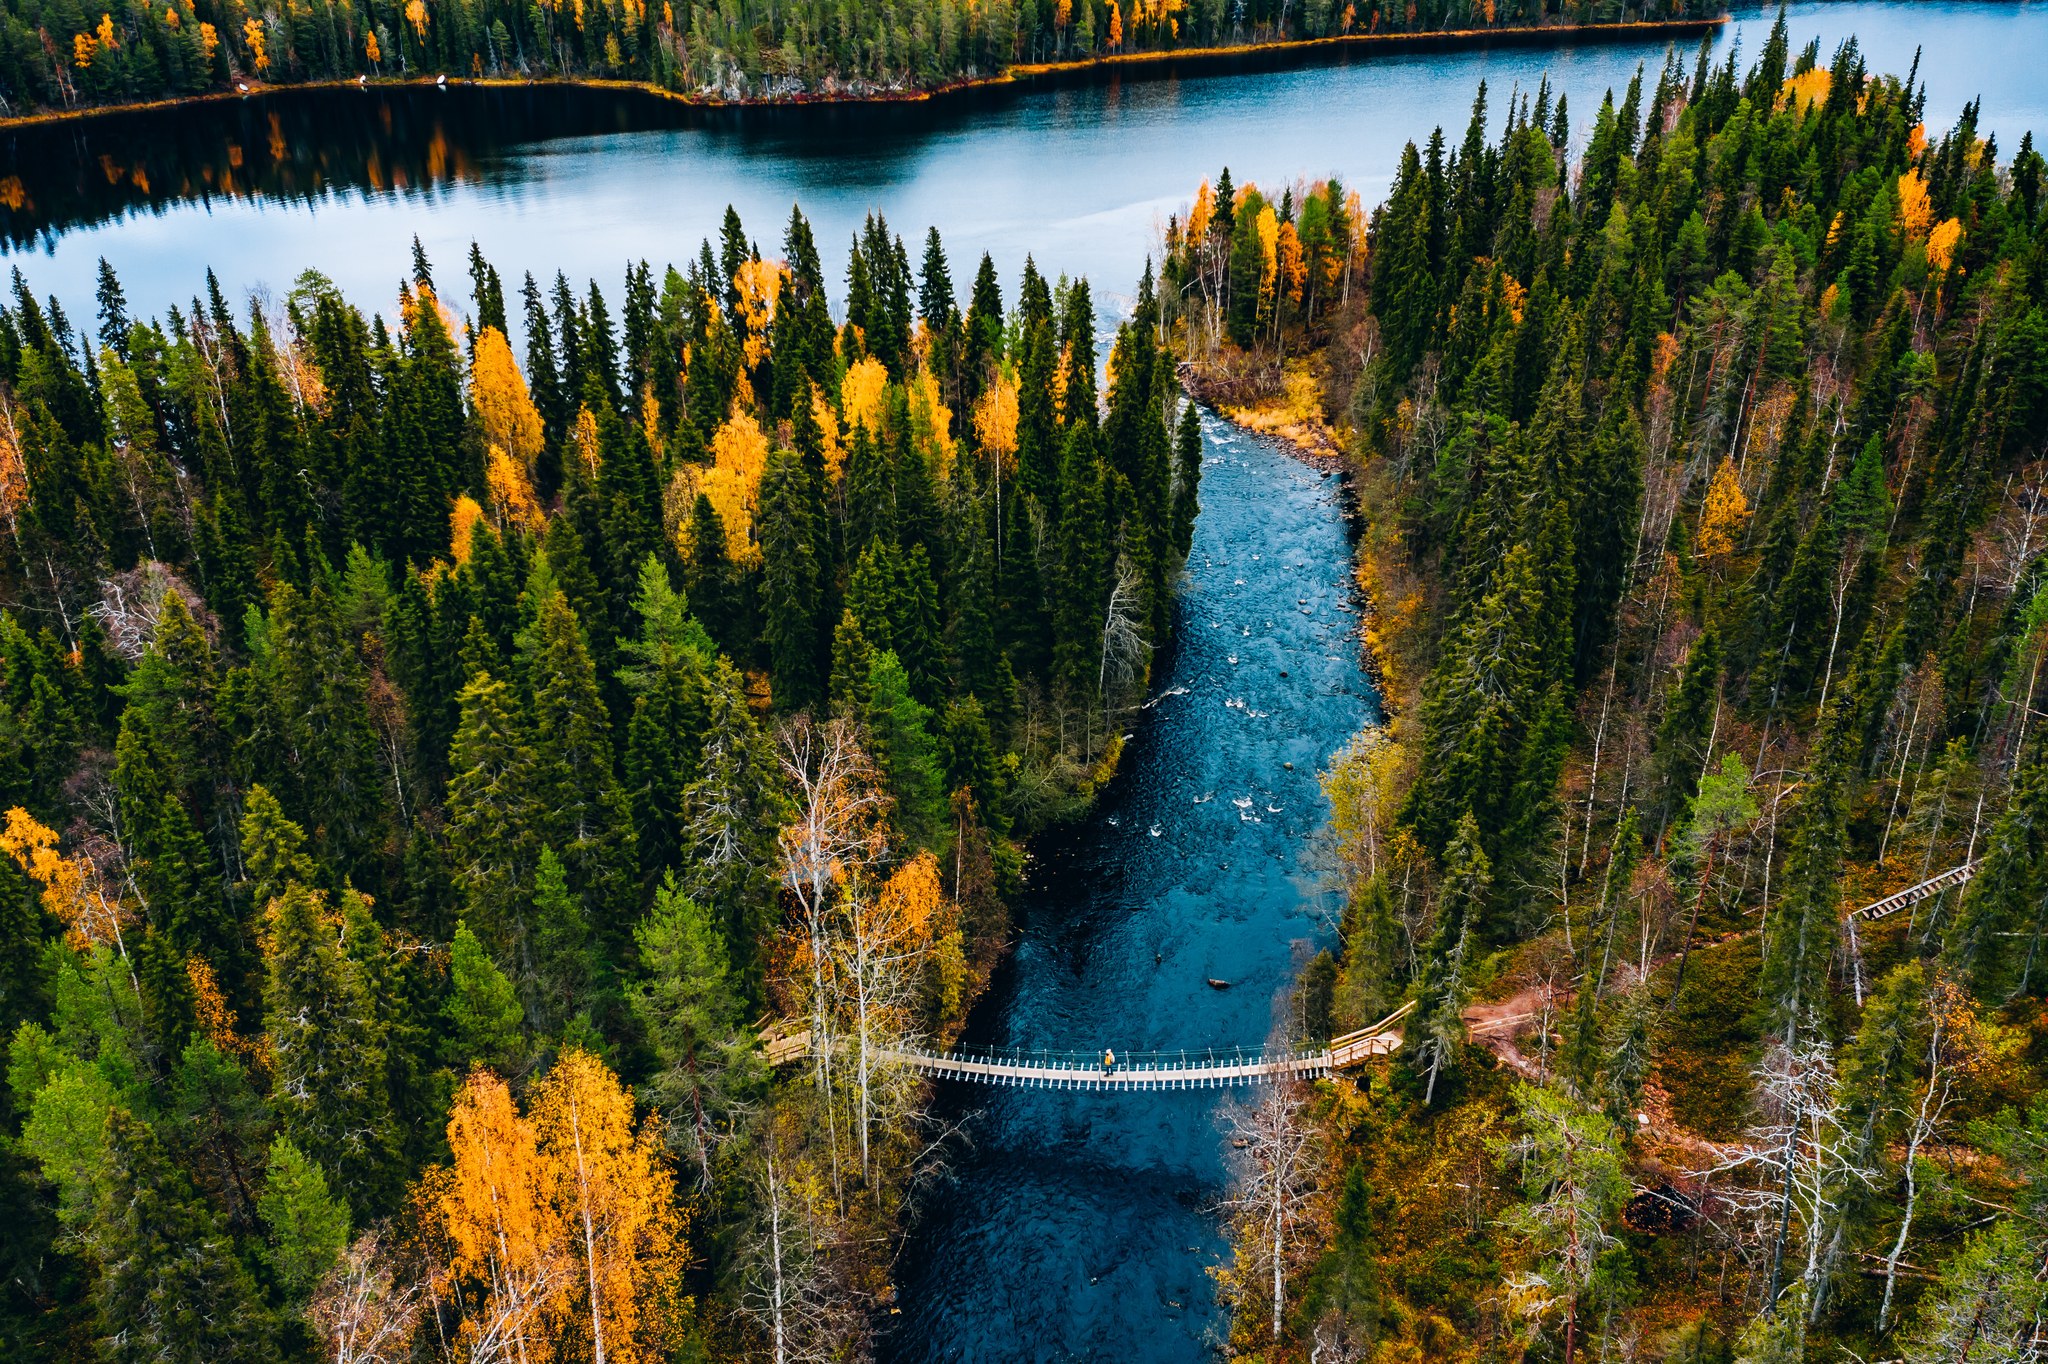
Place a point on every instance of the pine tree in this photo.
(691, 1009)
(493, 839)
(579, 806)
(327, 1055)
(483, 1010)
(900, 742)
(1083, 558)
(307, 1225)
(170, 1288)
(1997, 937)
(792, 600)
(1441, 987)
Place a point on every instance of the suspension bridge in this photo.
(1017, 1068)
(1215, 1068)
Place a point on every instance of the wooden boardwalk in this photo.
(1913, 895)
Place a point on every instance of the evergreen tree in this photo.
(327, 1050)
(170, 1287)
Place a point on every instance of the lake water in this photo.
(1082, 175)
(1079, 1226)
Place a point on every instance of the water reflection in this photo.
(1080, 174)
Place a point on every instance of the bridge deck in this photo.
(1913, 895)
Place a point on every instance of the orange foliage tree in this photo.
(504, 407)
(553, 1235)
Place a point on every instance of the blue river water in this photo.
(1079, 1226)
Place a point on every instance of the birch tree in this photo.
(1273, 1180)
(835, 831)
(884, 938)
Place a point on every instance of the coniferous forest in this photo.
(495, 782)
(414, 751)
(1704, 494)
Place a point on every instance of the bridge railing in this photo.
(1068, 1059)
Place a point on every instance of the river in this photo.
(1077, 1226)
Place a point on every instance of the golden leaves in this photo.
(612, 1189)
(995, 419)
(504, 406)
(863, 395)
(584, 439)
(209, 40)
(252, 34)
(1292, 267)
(13, 469)
(416, 15)
(1802, 92)
(931, 423)
(828, 434)
(1202, 214)
(462, 523)
(759, 284)
(71, 885)
(511, 492)
(1268, 227)
(739, 454)
(1916, 211)
(1725, 513)
(565, 1215)
(1941, 245)
(911, 898)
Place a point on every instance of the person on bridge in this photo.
(1108, 1061)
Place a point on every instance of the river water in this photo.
(1078, 1226)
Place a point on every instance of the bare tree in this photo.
(1799, 1159)
(363, 1311)
(1937, 1092)
(834, 831)
(1123, 646)
(787, 1286)
(1272, 1186)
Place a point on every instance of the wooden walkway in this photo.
(1913, 895)
(1150, 1071)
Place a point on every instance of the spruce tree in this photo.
(170, 1288)
(326, 1047)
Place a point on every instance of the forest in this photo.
(1705, 492)
(427, 767)
(58, 55)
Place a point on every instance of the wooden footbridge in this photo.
(1020, 1069)
(1913, 895)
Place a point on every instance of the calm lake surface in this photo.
(1079, 1226)
(1083, 176)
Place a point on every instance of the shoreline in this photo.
(1274, 54)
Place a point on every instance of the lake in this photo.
(1082, 175)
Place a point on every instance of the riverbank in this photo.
(1166, 64)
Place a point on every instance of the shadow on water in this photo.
(1080, 1225)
